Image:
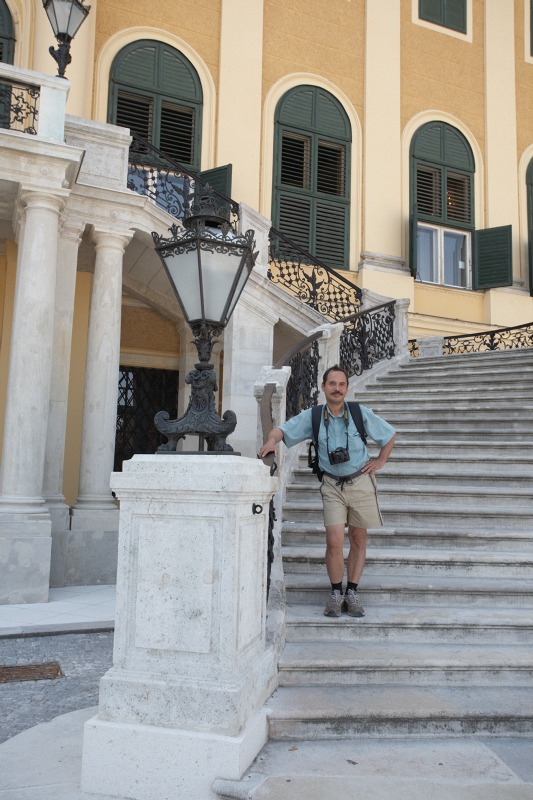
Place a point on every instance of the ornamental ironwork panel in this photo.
(19, 106)
(511, 338)
(302, 386)
(313, 282)
(141, 393)
(367, 339)
(170, 185)
(413, 348)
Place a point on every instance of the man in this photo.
(348, 487)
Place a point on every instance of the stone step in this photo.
(499, 540)
(337, 712)
(377, 590)
(388, 768)
(309, 558)
(459, 380)
(404, 474)
(491, 452)
(436, 394)
(356, 663)
(433, 495)
(412, 624)
(421, 515)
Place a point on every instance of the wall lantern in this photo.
(66, 17)
(208, 264)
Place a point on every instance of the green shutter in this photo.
(311, 195)
(455, 15)
(219, 178)
(7, 38)
(446, 13)
(413, 241)
(294, 219)
(156, 92)
(493, 259)
(331, 230)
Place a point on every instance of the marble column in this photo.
(70, 238)
(25, 539)
(95, 516)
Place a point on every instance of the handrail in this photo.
(490, 340)
(310, 279)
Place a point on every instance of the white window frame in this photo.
(439, 255)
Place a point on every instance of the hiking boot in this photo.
(334, 605)
(354, 607)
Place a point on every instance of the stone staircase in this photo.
(445, 647)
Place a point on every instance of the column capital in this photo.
(42, 199)
(112, 239)
(71, 227)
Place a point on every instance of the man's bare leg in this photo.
(334, 552)
(357, 554)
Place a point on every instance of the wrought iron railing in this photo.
(368, 337)
(312, 281)
(19, 106)
(168, 183)
(511, 338)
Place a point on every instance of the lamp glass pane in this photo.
(184, 274)
(65, 16)
(243, 277)
(218, 270)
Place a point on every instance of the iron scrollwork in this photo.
(175, 189)
(19, 106)
(368, 338)
(302, 387)
(511, 338)
(312, 281)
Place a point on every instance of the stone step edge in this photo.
(300, 614)
(315, 581)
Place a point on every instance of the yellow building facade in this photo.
(335, 110)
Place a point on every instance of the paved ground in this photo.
(84, 658)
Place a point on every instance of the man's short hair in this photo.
(335, 368)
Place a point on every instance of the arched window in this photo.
(311, 197)
(445, 248)
(7, 38)
(156, 92)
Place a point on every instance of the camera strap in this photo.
(326, 424)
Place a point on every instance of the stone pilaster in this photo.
(24, 520)
(94, 522)
(70, 238)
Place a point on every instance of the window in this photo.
(142, 392)
(311, 198)
(447, 13)
(156, 92)
(445, 248)
(7, 38)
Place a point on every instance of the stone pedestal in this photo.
(182, 704)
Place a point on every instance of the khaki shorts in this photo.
(356, 504)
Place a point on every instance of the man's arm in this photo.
(274, 438)
(378, 463)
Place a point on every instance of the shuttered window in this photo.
(7, 38)
(446, 13)
(156, 92)
(444, 248)
(311, 202)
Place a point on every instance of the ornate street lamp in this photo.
(66, 17)
(208, 264)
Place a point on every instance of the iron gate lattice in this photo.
(141, 393)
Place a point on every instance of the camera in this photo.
(339, 456)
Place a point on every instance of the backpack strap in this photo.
(316, 418)
(355, 411)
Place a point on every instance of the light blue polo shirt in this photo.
(299, 428)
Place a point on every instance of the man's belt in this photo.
(341, 480)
